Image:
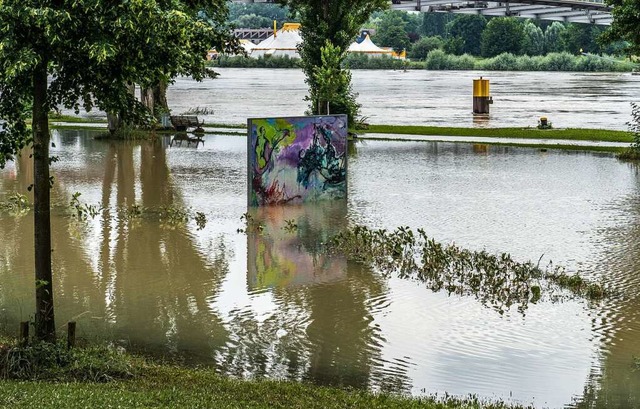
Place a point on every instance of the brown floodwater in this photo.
(270, 302)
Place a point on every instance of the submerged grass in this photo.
(603, 135)
(51, 376)
(496, 280)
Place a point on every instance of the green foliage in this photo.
(496, 280)
(391, 32)
(363, 61)
(266, 11)
(252, 21)
(238, 61)
(46, 361)
(580, 38)
(469, 27)
(454, 45)
(423, 46)
(530, 133)
(434, 24)
(533, 40)
(502, 35)
(633, 153)
(626, 20)
(339, 22)
(554, 38)
(16, 205)
(330, 78)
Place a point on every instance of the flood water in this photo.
(273, 304)
(421, 97)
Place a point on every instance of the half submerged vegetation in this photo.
(170, 216)
(496, 280)
(633, 152)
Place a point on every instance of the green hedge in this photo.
(439, 60)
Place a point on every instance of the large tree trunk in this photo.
(155, 99)
(114, 119)
(45, 322)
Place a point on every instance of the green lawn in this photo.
(172, 387)
(530, 133)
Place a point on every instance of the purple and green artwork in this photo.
(297, 159)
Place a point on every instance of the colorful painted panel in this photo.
(296, 160)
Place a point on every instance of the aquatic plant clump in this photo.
(496, 280)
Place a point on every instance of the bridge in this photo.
(569, 11)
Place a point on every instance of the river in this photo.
(421, 97)
(270, 304)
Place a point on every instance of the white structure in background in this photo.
(247, 45)
(283, 42)
(369, 48)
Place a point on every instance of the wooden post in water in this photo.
(24, 333)
(71, 334)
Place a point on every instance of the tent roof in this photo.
(367, 46)
(286, 38)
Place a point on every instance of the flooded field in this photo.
(420, 97)
(274, 305)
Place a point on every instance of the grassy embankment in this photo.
(571, 134)
(46, 376)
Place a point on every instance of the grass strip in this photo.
(576, 134)
(52, 376)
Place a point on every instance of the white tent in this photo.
(247, 45)
(284, 42)
(368, 47)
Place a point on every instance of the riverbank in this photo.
(103, 377)
(602, 140)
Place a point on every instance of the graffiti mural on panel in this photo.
(297, 159)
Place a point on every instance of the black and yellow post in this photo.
(481, 97)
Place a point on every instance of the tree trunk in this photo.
(114, 119)
(155, 99)
(45, 322)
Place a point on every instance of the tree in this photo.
(554, 38)
(626, 20)
(533, 41)
(469, 27)
(502, 35)
(434, 24)
(82, 53)
(252, 21)
(422, 47)
(331, 78)
(339, 22)
(267, 10)
(582, 38)
(391, 32)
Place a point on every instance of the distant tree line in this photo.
(476, 35)
(456, 34)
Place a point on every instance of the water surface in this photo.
(272, 304)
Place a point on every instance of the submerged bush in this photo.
(633, 152)
(496, 280)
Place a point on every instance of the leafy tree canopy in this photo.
(502, 35)
(626, 20)
(339, 22)
(469, 27)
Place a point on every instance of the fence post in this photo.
(24, 333)
(71, 334)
